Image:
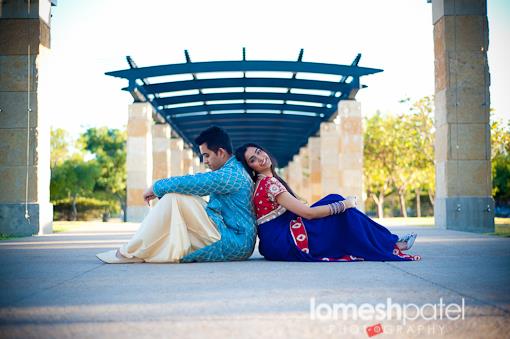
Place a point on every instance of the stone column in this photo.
(314, 166)
(297, 176)
(305, 174)
(292, 176)
(330, 156)
(25, 207)
(139, 159)
(160, 151)
(196, 165)
(176, 149)
(463, 164)
(187, 161)
(351, 150)
(284, 174)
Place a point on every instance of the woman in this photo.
(332, 229)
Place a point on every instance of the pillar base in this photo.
(13, 222)
(136, 213)
(469, 214)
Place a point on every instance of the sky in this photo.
(89, 38)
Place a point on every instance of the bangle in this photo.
(336, 207)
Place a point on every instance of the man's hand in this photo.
(148, 195)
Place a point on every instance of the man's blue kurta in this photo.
(230, 208)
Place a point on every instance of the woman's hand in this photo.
(351, 202)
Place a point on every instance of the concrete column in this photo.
(351, 150)
(187, 161)
(139, 159)
(330, 158)
(292, 176)
(202, 167)
(314, 166)
(176, 149)
(296, 176)
(305, 174)
(196, 165)
(160, 151)
(284, 174)
(462, 149)
(25, 207)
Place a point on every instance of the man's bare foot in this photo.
(118, 255)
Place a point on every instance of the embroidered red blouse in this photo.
(264, 199)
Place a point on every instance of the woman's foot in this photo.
(410, 240)
(406, 244)
(402, 245)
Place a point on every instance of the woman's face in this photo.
(257, 159)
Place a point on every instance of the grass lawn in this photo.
(502, 227)
(65, 226)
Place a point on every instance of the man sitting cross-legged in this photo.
(183, 227)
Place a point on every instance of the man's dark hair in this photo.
(215, 138)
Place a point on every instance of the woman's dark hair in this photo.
(215, 138)
(240, 151)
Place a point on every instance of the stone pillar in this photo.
(187, 161)
(305, 174)
(330, 156)
(462, 149)
(196, 165)
(139, 159)
(292, 176)
(160, 151)
(284, 174)
(176, 149)
(297, 176)
(351, 150)
(314, 166)
(25, 207)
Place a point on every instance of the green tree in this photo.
(109, 148)
(379, 158)
(500, 157)
(73, 178)
(399, 155)
(59, 143)
(422, 122)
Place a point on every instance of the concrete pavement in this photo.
(54, 287)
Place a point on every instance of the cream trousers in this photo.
(175, 227)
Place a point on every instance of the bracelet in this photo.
(336, 207)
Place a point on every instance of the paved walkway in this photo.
(53, 286)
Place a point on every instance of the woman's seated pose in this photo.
(332, 229)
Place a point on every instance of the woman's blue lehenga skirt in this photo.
(349, 236)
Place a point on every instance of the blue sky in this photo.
(92, 37)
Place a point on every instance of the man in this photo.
(181, 228)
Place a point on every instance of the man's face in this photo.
(211, 159)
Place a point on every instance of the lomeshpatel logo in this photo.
(387, 311)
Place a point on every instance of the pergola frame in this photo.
(280, 112)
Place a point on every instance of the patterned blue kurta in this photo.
(230, 208)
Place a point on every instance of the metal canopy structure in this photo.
(277, 104)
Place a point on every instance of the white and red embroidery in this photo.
(398, 253)
(298, 231)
